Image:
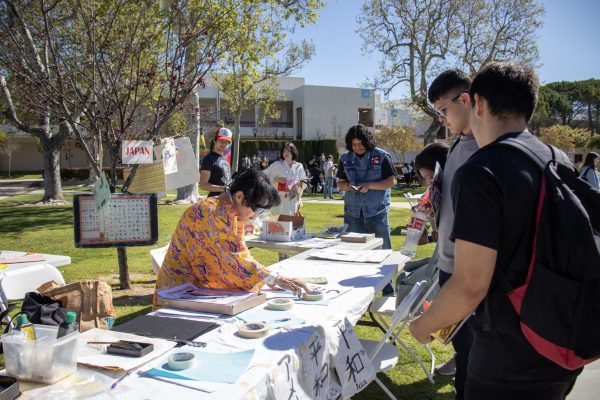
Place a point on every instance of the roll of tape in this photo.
(253, 330)
(181, 361)
(280, 304)
(315, 295)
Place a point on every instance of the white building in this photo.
(307, 111)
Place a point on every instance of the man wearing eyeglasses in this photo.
(208, 249)
(449, 96)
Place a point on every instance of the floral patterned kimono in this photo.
(208, 250)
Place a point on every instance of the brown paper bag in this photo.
(91, 300)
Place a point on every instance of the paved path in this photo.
(15, 187)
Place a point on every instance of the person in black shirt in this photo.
(494, 197)
(215, 173)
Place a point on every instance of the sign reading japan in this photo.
(137, 152)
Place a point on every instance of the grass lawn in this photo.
(50, 230)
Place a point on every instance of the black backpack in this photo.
(559, 303)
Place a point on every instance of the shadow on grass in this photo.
(420, 389)
(134, 300)
(20, 219)
(124, 318)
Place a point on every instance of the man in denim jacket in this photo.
(366, 174)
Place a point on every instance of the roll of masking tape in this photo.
(314, 295)
(181, 361)
(253, 330)
(280, 304)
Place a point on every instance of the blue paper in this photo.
(208, 367)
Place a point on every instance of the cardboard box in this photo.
(283, 228)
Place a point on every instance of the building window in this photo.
(365, 117)
(299, 123)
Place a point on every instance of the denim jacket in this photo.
(365, 169)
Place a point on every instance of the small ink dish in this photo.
(314, 295)
(132, 349)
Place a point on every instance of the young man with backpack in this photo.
(495, 197)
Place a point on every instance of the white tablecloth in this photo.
(258, 382)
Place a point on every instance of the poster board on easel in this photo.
(126, 220)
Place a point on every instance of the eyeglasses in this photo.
(258, 210)
(441, 112)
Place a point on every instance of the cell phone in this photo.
(127, 348)
(355, 188)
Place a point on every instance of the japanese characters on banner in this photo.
(136, 152)
(286, 384)
(350, 359)
(315, 366)
(169, 156)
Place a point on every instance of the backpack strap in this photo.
(523, 149)
(519, 146)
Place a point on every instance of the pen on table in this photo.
(114, 385)
(276, 321)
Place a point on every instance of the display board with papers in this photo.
(126, 220)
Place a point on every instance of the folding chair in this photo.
(15, 283)
(386, 306)
(384, 355)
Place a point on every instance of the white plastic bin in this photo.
(45, 359)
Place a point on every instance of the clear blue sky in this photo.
(569, 44)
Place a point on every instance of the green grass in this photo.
(50, 230)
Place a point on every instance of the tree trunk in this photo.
(94, 150)
(124, 281)
(189, 194)
(235, 153)
(52, 185)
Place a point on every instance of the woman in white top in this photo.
(288, 176)
(589, 170)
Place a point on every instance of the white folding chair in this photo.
(384, 355)
(15, 283)
(158, 256)
(385, 306)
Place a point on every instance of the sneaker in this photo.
(446, 369)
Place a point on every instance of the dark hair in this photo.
(290, 146)
(360, 132)
(256, 187)
(432, 153)
(446, 82)
(509, 89)
(589, 159)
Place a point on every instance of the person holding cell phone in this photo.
(366, 174)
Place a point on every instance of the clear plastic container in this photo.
(414, 231)
(46, 359)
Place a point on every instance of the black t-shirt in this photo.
(387, 168)
(495, 195)
(220, 172)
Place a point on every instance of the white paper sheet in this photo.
(371, 256)
(95, 355)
